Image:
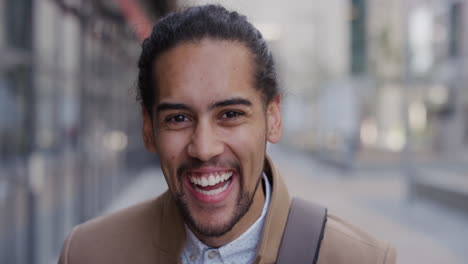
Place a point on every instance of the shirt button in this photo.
(212, 254)
(193, 257)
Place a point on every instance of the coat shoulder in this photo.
(114, 238)
(345, 243)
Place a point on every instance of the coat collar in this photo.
(169, 234)
(276, 217)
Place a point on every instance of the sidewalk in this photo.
(448, 187)
(149, 184)
(378, 201)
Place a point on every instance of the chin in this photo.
(212, 230)
(212, 224)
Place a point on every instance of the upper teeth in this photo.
(211, 179)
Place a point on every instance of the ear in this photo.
(148, 133)
(274, 120)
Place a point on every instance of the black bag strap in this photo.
(303, 233)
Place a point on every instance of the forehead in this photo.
(207, 69)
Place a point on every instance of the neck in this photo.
(244, 223)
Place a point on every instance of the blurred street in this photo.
(375, 200)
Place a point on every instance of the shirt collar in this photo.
(245, 244)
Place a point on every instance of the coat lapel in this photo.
(276, 218)
(169, 234)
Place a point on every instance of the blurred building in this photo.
(417, 56)
(386, 78)
(69, 124)
(437, 101)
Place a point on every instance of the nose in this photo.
(205, 143)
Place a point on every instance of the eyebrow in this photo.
(176, 106)
(231, 101)
(171, 106)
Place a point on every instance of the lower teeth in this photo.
(215, 191)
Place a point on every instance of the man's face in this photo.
(209, 127)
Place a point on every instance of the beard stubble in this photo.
(243, 202)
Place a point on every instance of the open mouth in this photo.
(211, 184)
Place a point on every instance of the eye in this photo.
(231, 114)
(177, 118)
(177, 121)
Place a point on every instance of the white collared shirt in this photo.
(242, 250)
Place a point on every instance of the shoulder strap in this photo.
(303, 233)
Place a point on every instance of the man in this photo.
(210, 103)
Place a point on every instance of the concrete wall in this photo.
(2, 26)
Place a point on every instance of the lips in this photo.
(210, 187)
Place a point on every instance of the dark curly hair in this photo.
(196, 23)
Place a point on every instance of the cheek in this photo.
(170, 149)
(248, 145)
(170, 145)
(243, 139)
(253, 131)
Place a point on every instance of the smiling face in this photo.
(209, 127)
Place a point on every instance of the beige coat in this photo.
(153, 232)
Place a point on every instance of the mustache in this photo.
(197, 164)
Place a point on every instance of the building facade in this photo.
(70, 135)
